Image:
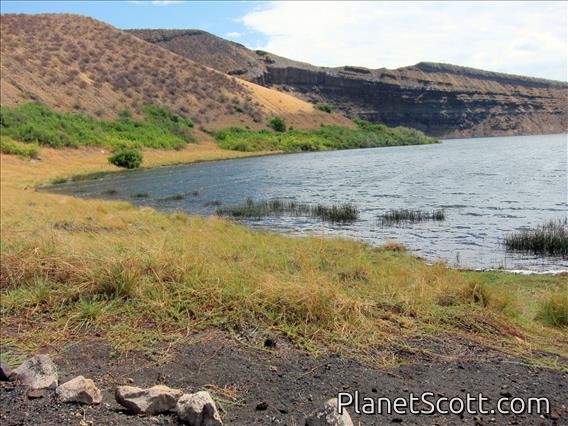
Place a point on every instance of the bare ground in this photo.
(281, 385)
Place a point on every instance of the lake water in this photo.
(488, 187)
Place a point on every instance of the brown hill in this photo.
(73, 62)
(442, 100)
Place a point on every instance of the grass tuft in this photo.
(553, 310)
(411, 216)
(550, 238)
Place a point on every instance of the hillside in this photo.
(441, 100)
(76, 63)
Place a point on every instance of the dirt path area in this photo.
(282, 385)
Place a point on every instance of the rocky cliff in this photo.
(439, 99)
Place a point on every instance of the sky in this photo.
(525, 38)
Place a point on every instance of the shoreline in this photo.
(94, 267)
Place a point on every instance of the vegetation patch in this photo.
(550, 238)
(22, 150)
(325, 107)
(251, 209)
(553, 310)
(328, 137)
(128, 158)
(37, 124)
(410, 216)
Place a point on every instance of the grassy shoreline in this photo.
(73, 268)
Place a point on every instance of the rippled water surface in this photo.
(488, 187)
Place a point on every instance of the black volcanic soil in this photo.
(281, 385)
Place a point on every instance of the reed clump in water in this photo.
(407, 215)
(551, 238)
(337, 213)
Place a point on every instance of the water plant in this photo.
(550, 238)
(394, 216)
(251, 209)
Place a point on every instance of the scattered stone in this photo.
(506, 394)
(154, 400)
(270, 342)
(262, 406)
(38, 372)
(79, 390)
(5, 372)
(35, 393)
(329, 416)
(198, 409)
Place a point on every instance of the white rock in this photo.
(154, 400)
(198, 409)
(329, 416)
(38, 372)
(79, 390)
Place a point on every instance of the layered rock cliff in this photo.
(441, 100)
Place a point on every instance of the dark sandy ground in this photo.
(282, 385)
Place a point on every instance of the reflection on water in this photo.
(488, 187)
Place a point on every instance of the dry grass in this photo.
(139, 277)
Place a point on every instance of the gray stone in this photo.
(198, 409)
(38, 372)
(79, 390)
(329, 416)
(154, 400)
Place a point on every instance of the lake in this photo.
(488, 187)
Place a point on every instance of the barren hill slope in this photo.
(77, 63)
(439, 99)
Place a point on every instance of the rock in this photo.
(79, 390)
(154, 400)
(35, 393)
(329, 416)
(198, 409)
(5, 372)
(262, 406)
(38, 372)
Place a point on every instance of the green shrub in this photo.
(278, 124)
(326, 137)
(129, 158)
(23, 150)
(323, 107)
(37, 123)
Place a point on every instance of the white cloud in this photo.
(156, 2)
(165, 2)
(233, 34)
(527, 38)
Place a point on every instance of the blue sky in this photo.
(526, 38)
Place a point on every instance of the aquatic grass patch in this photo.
(339, 213)
(395, 216)
(550, 238)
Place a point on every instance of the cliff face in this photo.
(441, 100)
